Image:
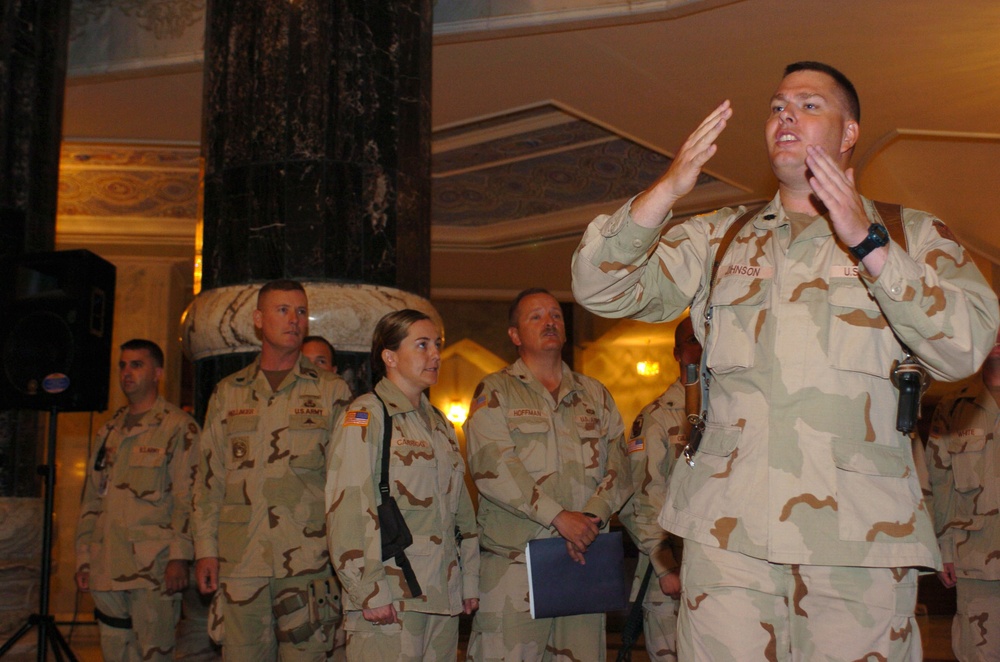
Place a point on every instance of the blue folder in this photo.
(559, 586)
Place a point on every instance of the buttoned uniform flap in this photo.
(735, 290)
(241, 424)
(871, 459)
(307, 422)
(230, 512)
(528, 424)
(967, 464)
(968, 444)
(312, 460)
(852, 294)
(422, 546)
(150, 532)
(720, 440)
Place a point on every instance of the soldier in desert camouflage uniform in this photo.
(801, 509)
(547, 453)
(259, 529)
(963, 463)
(319, 350)
(133, 546)
(384, 619)
(659, 433)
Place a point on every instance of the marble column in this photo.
(316, 141)
(34, 37)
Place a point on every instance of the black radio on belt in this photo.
(911, 379)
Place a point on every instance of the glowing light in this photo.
(457, 412)
(648, 368)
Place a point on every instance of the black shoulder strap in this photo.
(383, 484)
(402, 561)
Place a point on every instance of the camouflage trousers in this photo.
(975, 632)
(514, 636)
(659, 615)
(659, 628)
(268, 618)
(416, 637)
(154, 617)
(193, 642)
(737, 607)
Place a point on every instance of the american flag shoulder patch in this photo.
(636, 444)
(478, 403)
(358, 417)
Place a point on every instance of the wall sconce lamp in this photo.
(457, 412)
(648, 367)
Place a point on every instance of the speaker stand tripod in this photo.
(47, 629)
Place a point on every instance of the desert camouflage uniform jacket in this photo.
(963, 462)
(258, 497)
(655, 441)
(146, 502)
(801, 461)
(427, 479)
(532, 457)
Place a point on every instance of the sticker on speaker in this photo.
(55, 383)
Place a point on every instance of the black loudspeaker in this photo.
(56, 318)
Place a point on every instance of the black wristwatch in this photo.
(877, 236)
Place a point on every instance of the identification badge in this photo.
(240, 449)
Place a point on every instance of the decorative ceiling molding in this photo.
(128, 195)
(541, 173)
(460, 20)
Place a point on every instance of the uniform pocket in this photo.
(233, 534)
(877, 493)
(737, 304)
(413, 471)
(530, 436)
(306, 436)
(975, 496)
(240, 430)
(860, 339)
(147, 473)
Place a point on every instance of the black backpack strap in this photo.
(383, 488)
(383, 483)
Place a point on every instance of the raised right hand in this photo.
(652, 205)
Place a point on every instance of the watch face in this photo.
(878, 234)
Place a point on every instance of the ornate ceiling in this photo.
(548, 112)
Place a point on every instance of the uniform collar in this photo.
(773, 215)
(151, 418)
(567, 385)
(302, 370)
(395, 400)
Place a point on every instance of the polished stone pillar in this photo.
(34, 37)
(317, 151)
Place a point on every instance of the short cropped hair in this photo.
(280, 285)
(390, 332)
(321, 339)
(137, 344)
(851, 99)
(512, 311)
